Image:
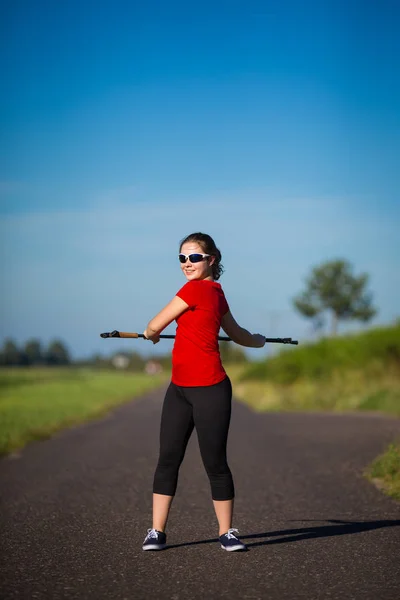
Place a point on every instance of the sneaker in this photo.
(154, 540)
(230, 542)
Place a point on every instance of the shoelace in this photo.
(230, 535)
(151, 533)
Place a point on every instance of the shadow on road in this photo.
(307, 533)
(336, 527)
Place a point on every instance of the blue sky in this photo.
(275, 127)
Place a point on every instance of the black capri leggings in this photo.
(208, 408)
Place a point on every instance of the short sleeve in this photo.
(224, 305)
(188, 295)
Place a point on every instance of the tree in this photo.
(11, 353)
(33, 352)
(57, 354)
(333, 287)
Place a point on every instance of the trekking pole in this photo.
(221, 338)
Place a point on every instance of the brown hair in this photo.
(209, 247)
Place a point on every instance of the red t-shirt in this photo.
(195, 356)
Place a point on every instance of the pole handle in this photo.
(125, 334)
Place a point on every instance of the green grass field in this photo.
(35, 403)
(371, 351)
(375, 389)
(352, 372)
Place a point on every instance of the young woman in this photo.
(200, 392)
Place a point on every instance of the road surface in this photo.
(76, 508)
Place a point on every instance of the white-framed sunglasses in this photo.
(194, 258)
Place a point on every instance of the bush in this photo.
(375, 349)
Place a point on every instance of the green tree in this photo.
(33, 352)
(333, 287)
(11, 353)
(57, 354)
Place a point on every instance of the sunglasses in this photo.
(194, 258)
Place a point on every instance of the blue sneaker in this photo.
(154, 540)
(230, 542)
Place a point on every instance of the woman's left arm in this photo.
(168, 314)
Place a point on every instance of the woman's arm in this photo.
(239, 334)
(168, 314)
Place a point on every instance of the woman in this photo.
(200, 392)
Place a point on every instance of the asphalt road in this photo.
(76, 508)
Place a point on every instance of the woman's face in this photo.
(200, 270)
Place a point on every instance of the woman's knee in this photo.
(216, 467)
(170, 459)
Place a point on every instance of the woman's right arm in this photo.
(239, 334)
(168, 314)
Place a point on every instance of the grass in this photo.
(351, 372)
(35, 403)
(385, 471)
(322, 360)
(373, 389)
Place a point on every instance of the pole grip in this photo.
(124, 334)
